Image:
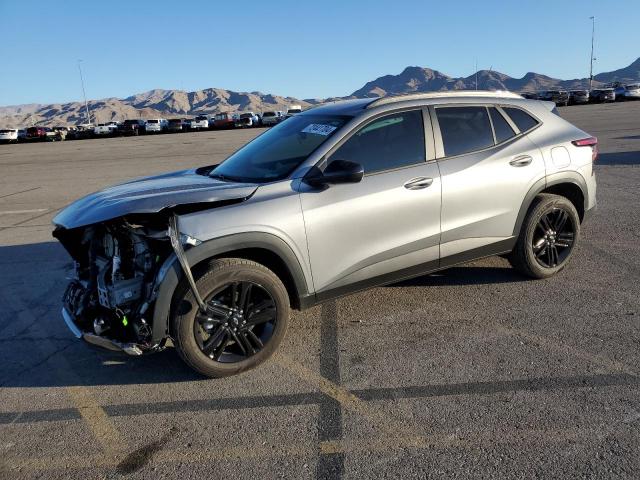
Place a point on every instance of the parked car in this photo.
(131, 127)
(577, 97)
(22, 134)
(105, 129)
(247, 120)
(156, 125)
(36, 134)
(175, 125)
(63, 130)
(56, 134)
(346, 196)
(9, 135)
(201, 122)
(272, 117)
(628, 92)
(559, 97)
(223, 120)
(294, 110)
(602, 95)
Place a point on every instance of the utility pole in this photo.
(593, 33)
(476, 74)
(86, 105)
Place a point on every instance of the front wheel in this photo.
(547, 238)
(248, 312)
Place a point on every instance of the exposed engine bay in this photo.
(113, 287)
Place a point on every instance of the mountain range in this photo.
(176, 103)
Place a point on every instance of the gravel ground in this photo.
(474, 372)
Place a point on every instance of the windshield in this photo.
(221, 116)
(200, 118)
(246, 115)
(269, 114)
(130, 122)
(279, 151)
(152, 121)
(294, 110)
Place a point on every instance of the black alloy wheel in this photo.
(548, 236)
(241, 318)
(246, 318)
(553, 238)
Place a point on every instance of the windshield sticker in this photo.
(319, 129)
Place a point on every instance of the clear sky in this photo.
(295, 47)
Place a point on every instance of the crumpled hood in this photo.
(150, 195)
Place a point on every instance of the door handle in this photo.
(418, 183)
(521, 161)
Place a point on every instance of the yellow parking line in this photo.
(391, 424)
(381, 444)
(97, 420)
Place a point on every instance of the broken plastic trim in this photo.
(174, 237)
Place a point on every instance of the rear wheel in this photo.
(548, 237)
(248, 312)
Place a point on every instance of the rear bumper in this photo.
(102, 342)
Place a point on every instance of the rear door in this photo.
(487, 166)
(388, 225)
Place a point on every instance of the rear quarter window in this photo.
(522, 119)
(464, 129)
(500, 126)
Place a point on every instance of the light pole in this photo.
(593, 33)
(86, 106)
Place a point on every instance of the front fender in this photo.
(171, 274)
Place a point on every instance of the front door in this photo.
(388, 225)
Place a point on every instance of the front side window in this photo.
(523, 120)
(280, 150)
(389, 142)
(464, 129)
(501, 127)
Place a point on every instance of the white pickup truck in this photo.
(201, 122)
(9, 135)
(156, 125)
(105, 129)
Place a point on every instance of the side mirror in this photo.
(338, 171)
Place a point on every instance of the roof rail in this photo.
(405, 97)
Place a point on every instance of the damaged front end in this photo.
(117, 270)
(123, 240)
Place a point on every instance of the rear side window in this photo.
(500, 126)
(523, 120)
(464, 129)
(389, 142)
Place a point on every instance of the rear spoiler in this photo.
(550, 105)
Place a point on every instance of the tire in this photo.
(188, 328)
(533, 254)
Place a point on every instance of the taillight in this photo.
(589, 142)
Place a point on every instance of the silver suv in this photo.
(339, 198)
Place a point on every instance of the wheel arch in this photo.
(264, 248)
(570, 185)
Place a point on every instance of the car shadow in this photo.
(37, 349)
(628, 137)
(619, 158)
(465, 275)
